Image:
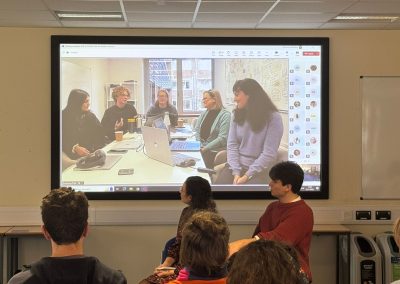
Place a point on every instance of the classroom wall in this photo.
(25, 138)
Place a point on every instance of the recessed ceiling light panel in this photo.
(91, 16)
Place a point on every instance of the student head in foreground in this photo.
(267, 262)
(289, 220)
(65, 225)
(204, 249)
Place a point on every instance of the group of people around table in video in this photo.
(251, 138)
(200, 253)
(83, 133)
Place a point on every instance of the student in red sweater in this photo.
(289, 220)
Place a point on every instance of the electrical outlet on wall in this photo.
(363, 215)
(383, 215)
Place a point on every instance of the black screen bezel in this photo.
(57, 40)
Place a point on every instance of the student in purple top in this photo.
(254, 136)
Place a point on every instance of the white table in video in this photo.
(145, 170)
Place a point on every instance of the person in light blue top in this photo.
(212, 127)
(254, 136)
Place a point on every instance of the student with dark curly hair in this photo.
(196, 193)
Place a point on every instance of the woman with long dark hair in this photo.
(254, 136)
(82, 132)
(196, 193)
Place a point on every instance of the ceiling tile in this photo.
(375, 7)
(84, 6)
(212, 25)
(26, 23)
(299, 25)
(252, 18)
(228, 14)
(234, 6)
(307, 7)
(159, 17)
(25, 15)
(95, 24)
(161, 25)
(395, 24)
(355, 26)
(153, 6)
(299, 18)
(22, 5)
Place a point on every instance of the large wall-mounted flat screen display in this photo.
(133, 117)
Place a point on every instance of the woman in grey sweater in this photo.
(254, 136)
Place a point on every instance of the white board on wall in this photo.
(380, 137)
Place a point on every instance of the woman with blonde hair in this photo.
(212, 127)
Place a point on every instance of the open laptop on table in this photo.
(183, 146)
(157, 147)
(155, 121)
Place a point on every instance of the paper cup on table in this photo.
(119, 135)
(180, 122)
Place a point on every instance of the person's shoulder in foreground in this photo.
(80, 269)
(64, 216)
(216, 281)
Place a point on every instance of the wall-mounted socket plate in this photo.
(363, 215)
(383, 215)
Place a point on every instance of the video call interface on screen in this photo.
(291, 75)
